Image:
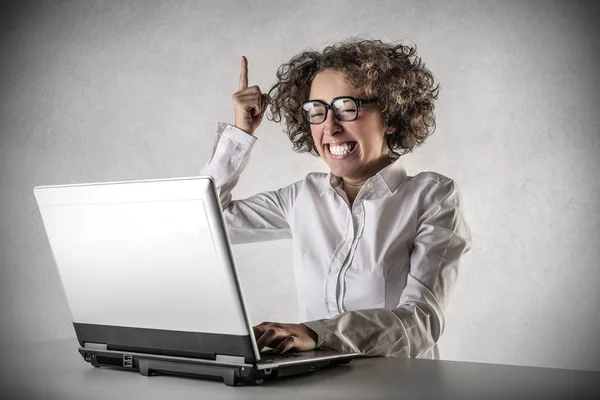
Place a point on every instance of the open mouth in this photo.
(342, 151)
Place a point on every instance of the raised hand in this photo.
(249, 103)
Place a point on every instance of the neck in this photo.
(353, 185)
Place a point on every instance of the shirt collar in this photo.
(391, 177)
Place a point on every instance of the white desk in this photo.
(55, 370)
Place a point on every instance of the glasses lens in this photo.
(313, 112)
(345, 109)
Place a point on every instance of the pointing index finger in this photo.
(244, 74)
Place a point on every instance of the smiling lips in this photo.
(341, 151)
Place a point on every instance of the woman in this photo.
(376, 251)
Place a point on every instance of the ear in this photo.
(389, 130)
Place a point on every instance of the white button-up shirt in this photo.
(374, 277)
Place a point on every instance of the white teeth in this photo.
(340, 150)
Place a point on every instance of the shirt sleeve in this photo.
(261, 217)
(415, 325)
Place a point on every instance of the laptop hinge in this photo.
(95, 346)
(230, 359)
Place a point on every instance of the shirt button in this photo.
(357, 211)
(335, 271)
(370, 184)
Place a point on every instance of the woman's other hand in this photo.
(284, 337)
(249, 103)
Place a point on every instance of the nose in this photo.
(331, 125)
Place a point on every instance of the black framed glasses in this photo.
(345, 108)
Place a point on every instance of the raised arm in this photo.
(263, 216)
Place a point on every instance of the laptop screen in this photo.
(144, 254)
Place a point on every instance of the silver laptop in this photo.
(149, 277)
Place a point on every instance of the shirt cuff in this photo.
(236, 134)
(323, 333)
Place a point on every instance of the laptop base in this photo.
(231, 375)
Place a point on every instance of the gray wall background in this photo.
(116, 90)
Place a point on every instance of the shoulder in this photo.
(433, 186)
(316, 178)
(431, 178)
(312, 182)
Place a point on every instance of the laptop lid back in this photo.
(147, 266)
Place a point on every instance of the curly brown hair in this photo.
(390, 73)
